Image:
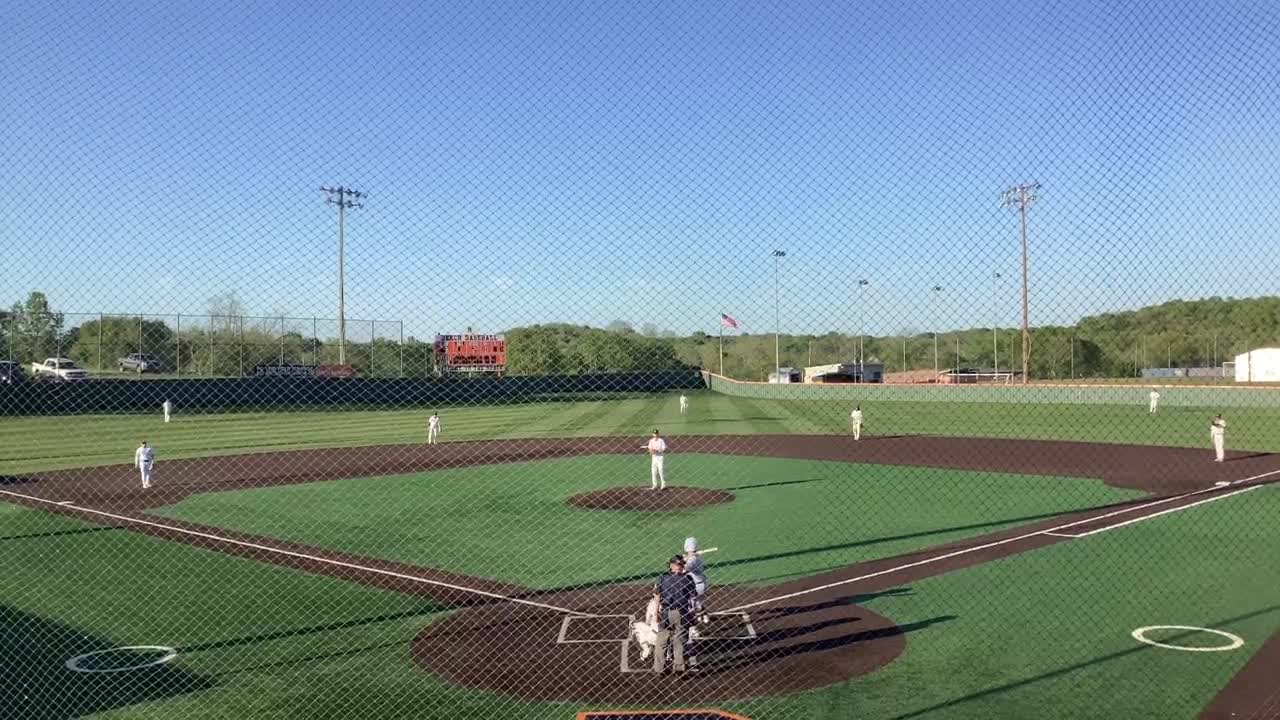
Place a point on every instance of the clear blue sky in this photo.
(586, 161)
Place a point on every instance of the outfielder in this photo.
(855, 421)
(167, 407)
(1217, 433)
(143, 459)
(1155, 400)
(657, 448)
(684, 404)
(433, 429)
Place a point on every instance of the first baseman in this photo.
(143, 459)
(657, 448)
(167, 407)
(1155, 400)
(855, 420)
(684, 404)
(433, 429)
(1217, 433)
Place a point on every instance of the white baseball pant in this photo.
(145, 470)
(657, 472)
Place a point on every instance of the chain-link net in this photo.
(771, 361)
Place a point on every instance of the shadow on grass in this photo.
(1068, 669)
(304, 631)
(60, 533)
(776, 483)
(35, 683)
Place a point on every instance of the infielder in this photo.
(675, 593)
(143, 459)
(684, 404)
(167, 407)
(855, 421)
(433, 429)
(1155, 400)
(657, 448)
(1217, 433)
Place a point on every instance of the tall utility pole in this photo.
(995, 320)
(936, 289)
(1021, 197)
(777, 318)
(862, 328)
(345, 198)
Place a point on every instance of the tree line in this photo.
(1180, 334)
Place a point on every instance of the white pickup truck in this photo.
(59, 369)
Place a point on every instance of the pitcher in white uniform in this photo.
(657, 448)
(1155, 400)
(1217, 433)
(855, 421)
(143, 459)
(433, 429)
(167, 407)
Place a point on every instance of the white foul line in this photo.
(1054, 531)
(1215, 498)
(301, 556)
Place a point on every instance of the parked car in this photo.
(141, 363)
(58, 368)
(11, 373)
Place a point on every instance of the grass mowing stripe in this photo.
(765, 419)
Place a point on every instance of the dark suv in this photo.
(11, 373)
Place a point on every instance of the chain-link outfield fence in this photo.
(811, 360)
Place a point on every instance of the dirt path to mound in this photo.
(810, 631)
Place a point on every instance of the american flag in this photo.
(728, 321)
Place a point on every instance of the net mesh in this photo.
(378, 361)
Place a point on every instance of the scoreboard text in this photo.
(472, 353)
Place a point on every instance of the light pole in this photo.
(862, 326)
(344, 198)
(936, 289)
(1022, 197)
(995, 320)
(777, 318)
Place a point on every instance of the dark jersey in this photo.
(676, 591)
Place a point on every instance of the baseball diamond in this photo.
(560, 644)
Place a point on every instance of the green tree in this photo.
(35, 329)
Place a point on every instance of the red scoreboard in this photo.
(471, 353)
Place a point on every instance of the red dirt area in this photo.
(533, 653)
(649, 500)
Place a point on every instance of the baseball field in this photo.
(961, 560)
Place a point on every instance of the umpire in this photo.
(676, 593)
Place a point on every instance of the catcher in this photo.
(646, 631)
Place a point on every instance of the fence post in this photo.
(210, 346)
(240, 343)
(315, 358)
(99, 342)
(177, 359)
(401, 348)
(373, 335)
(282, 340)
(139, 335)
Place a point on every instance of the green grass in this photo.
(44, 443)
(791, 517)
(253, 640)
(1046, 634)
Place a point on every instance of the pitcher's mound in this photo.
(642, 498)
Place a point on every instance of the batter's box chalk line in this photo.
(563, 639)
(749, 630)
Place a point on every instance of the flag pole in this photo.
(721, 324)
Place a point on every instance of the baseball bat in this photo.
(708, 550)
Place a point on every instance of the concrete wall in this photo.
(1211, 396)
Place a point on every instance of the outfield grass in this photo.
(44, 443)
(511, 522)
